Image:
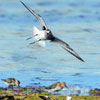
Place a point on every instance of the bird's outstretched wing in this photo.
(67, 48)
(39, 18)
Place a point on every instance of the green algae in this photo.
(95, 91)
(29, 94)
(52, 98)
(27, 90)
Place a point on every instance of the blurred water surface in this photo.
(76, 22)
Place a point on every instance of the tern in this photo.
(46, 34)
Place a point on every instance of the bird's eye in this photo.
(48, 31)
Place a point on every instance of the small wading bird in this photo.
(46, 34)
(68, 98)
(11, 82)
(58, 86)
(46, 97)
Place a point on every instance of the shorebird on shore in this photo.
(68, 98)
(11, 82)
(46, 97)
(46, 34)
(58, 86)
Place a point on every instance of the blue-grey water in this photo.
(75, 21)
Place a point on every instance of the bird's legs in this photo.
(10, 87)
(31, 37)
(35, 41)
(28, 38)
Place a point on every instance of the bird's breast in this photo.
(43, 35)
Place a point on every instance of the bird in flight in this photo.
(46, 34)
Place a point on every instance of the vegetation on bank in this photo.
(52, 97)
(33, 94)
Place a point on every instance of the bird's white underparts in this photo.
(37, 35)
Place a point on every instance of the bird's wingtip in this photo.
(81, 59)
(75, 54)
(21, 2)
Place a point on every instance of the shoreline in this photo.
(25, 91)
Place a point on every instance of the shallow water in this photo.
(76, 22)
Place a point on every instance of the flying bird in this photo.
(46, 34)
